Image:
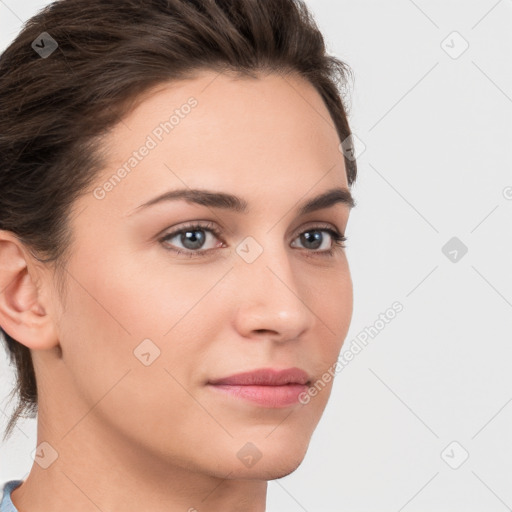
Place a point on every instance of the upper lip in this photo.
(266, 377)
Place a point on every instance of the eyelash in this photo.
(338, 245)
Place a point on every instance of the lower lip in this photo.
(268, 396)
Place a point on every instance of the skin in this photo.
(133, 437)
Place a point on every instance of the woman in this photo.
(175, 195)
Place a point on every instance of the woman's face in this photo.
(144, 329)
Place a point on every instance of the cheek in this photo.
(120, 310)
(120, 363)
(342, 306)
(331, 299)
(334, 308)
(136, 296)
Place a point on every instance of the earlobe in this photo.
(23, 316)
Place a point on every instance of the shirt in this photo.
(5, 492)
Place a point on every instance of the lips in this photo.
(265, 377)
(265, 387)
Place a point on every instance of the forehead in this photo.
(218, 129)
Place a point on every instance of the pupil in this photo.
(191, 241)
(316, 236)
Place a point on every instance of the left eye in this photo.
(193, 238)
(315, 238)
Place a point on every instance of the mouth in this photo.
(266, 387)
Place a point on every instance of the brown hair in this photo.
(56, 102)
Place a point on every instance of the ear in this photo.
(23, 307)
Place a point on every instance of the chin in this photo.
(273, 464)
(284, 469)
(269, 471)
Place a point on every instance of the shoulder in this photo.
(5, 495)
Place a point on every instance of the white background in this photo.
(436, 133)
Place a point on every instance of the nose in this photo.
(271, 299)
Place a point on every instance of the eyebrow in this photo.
(236, 204)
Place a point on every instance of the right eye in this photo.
(188, 235)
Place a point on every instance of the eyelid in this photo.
(319, 225)
(202, 224)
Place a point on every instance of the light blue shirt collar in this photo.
(6, 503)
